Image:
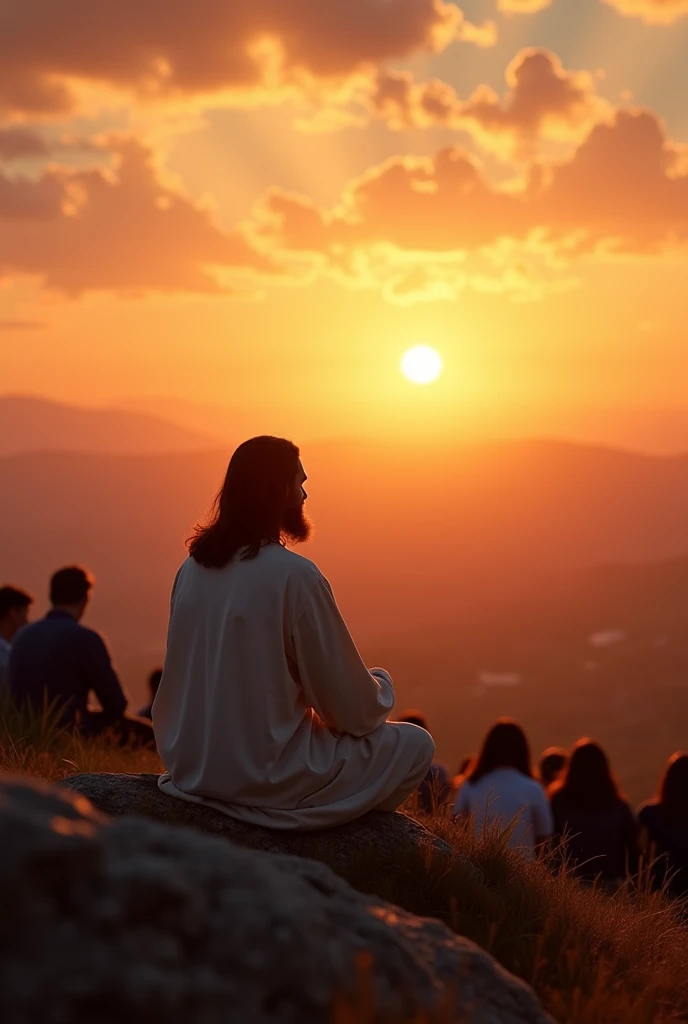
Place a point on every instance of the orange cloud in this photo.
(183, 49)
(121, 229)
(655, 12)
(543, 100)
(523, 6)
(18, 143)
(411, 224)
(22, 199)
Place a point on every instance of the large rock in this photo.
(381, 838)
(133, 921)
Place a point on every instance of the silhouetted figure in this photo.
(551, 764)
(153, 685)
(266, 710)
(499, 790)
(592, 820)
(664, 828)
(58, 662)
(435, 789)
(461, 772)
(14, 614)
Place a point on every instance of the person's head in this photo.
(588, 782)
(154, 681)
(673, 789)
(70, 589)
(415, 718)
(505, 746)
(261, 502)
(551, 764)
(14, 611)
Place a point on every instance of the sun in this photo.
(421, 364)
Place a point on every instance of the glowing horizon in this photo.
(272, 227)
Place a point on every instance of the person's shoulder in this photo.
(296, 566)
(534, 786)
(556, 796)
(29, 635)
(88, 637)
(648, 811)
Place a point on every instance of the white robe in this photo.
(266, 710)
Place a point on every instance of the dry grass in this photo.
(592, 958)
(35, 745)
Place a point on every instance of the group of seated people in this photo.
(571, 805)
(57, 663)
(266, 711)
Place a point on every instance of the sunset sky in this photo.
(266, 204)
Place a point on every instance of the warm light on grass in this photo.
(421, 364)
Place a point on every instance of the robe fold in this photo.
(266, 710)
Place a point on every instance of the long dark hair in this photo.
(673, 789)
(588, 783)
(505, 746)
(249, 508)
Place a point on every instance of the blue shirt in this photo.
(58, 660)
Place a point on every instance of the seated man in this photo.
(58, 662)
(14, 613)
(266, 710)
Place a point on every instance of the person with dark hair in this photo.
(14, 614)
(266, 710)
(664, 829)
(153, 687)
(435, 789)
(551, 764)
(56, 662)
(499, 790)
(594, 824)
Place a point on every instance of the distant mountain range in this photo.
(448, 561)
(410, 537)
(29, 424)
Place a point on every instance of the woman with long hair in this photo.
(498, 790)
(664, 828)
(594, 824)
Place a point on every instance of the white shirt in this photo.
(504, 796)
(5, 648)
(265, 709)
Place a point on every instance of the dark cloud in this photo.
(179, 48)
(543, 100)
(121, 229)
(24, 199)
(18, 143)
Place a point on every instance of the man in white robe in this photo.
(266, 710)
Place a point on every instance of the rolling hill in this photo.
(29, 424)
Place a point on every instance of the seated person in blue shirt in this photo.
(58, 662)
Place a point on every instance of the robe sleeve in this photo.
(335, 681)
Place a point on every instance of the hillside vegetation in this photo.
(592, 959)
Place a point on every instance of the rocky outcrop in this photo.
(133, 921)
(381, 838)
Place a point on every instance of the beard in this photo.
(296, 526)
